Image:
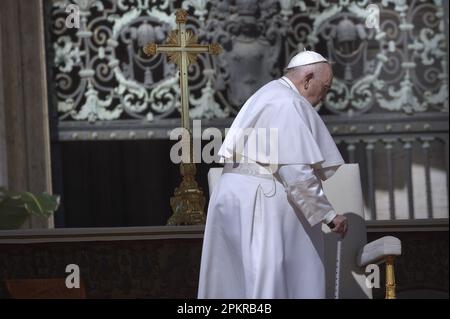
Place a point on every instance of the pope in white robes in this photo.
(263, 236)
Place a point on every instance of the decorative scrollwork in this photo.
(104, 72)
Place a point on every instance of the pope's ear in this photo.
(308, 76)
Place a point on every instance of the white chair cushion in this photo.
(376, 250)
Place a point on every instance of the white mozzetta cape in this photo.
(303, 138)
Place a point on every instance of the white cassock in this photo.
(263, 236)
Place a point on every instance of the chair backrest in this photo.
(214, 174)
(344, 192)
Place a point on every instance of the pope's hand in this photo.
(340, 225)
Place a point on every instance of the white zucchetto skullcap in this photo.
(305, 58)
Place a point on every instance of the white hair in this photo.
(304, 68)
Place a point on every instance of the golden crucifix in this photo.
(182, 49)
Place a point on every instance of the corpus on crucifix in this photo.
(182, 49)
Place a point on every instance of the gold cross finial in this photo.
(181, 16)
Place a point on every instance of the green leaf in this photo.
(41, 205)
(12, 215)
(48, 203)
(32, 203)
(16, 208)
(4, 193)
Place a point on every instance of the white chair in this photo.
(346, 260)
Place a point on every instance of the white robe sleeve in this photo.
(325, 173)
(305, 190)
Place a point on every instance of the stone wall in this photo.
(169, 268)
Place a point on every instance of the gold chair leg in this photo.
(390, 277)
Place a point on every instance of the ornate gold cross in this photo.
(182, 48)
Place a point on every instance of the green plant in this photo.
(17, 207)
